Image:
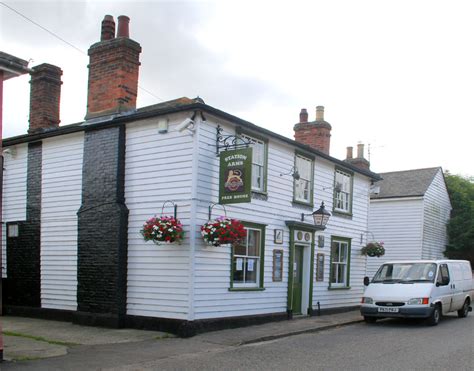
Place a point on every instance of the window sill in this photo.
(246, 289)
(260, 195)
(339, 288)
(342, 214)
(306, 205)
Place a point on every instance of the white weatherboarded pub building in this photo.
(77, 196)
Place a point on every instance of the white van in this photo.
(419, 289)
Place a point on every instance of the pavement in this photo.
(29, 339)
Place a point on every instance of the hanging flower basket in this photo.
(373, 249)
(163, 230)
(222, 231)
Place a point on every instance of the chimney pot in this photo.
(360, 150)
(349, 153)
(123, 22)
(320, 113)
(303, 115)
(108, 28)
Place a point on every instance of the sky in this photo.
(396, 75)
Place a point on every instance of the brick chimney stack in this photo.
(359, 161)
(316, 134)
(113, 70)
(45, 95)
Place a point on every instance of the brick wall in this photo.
(102, 227)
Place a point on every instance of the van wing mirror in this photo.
(444, 282)
(366, 281)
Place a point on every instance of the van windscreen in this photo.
(405, 273)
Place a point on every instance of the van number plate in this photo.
(388, 309)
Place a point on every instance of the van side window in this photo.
(443, 274)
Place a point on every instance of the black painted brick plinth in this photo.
(43, 313)
(98, 319)
(102, 230)
(186, 329)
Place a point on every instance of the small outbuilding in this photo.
(409, 212)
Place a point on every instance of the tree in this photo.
(461, 224)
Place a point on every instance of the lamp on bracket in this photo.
(320, 216)
(293, 172)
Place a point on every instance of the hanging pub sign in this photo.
(235, 180)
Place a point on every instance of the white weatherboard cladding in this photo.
(353, 228)
(61, 187)
(157, 169)
(399, 224)
(437, 208)
(14, 192)
(212, 264)
(14, 183)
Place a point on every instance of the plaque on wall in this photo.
(277, 265)
(320, 241)
(319, 267)
(278, 237)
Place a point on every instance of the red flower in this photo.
(223, 231)
(162, 229)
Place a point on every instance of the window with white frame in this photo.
(304, 185)
(247, 258)
(340, 257)
(343, 192)
(258, 163)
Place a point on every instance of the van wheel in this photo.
(433, 320)
(370, 319)
(464, 310)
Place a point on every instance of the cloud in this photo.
(174, 61)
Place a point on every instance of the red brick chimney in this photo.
(359, 161)
(113, 70)
(45, 95)
(316, 134)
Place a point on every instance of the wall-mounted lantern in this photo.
(320, 216)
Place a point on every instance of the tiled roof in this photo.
(407, 183)
(179, 105)
(175, 103)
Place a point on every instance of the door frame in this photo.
(308, 262)
(299, 249)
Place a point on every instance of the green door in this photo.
(297, 279)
